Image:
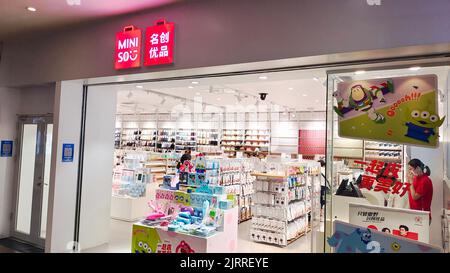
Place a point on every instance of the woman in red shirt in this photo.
(421, 190)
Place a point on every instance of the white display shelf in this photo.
(128, 208)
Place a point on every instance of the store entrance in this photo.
(252, 143)
(32, 179)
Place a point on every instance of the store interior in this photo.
(248, 120)
(254, 139)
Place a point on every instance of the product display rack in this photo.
(117, 138)
(158, 168)
(148, 138)
(135, 138)
(385, 152)
(185, 139)
(235, 176)
(208, 141)
(282, 204)
(164, 139)
(232, 140)
(256, 141)
(130, 137)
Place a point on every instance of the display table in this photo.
(158, 239)
(128, 208)
(131, 209)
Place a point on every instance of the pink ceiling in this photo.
(15, 19)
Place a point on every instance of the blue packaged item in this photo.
(183, 220)
(225, 204)
(200, 179)
(185, 214)
(219, 190)
(192, 179)
(172, 227)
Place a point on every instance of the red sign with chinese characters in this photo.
(159, 41)
(384, 178)
(128, 48)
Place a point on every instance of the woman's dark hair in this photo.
(322, 163)
(417, 163)
(384, 229)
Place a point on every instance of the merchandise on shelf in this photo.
(131, 178)
(283, 201)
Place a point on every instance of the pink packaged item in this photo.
(157, 212)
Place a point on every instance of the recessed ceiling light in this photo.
(304, 95)
(290, 88)
(73, 2)
(316, 79)
(197, 94)
(415, 68)
(218, 98)
(262, 77)
(33, 9)
(360, 72)
(293, 115)
(139, 86)
(194, 82)
(190, 87)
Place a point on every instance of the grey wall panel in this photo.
(219, 32)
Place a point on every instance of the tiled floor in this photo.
(120, 241)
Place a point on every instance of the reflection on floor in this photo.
(10, 245)
(120, 241)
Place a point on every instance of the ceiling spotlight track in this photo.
(181, 99)
(247, 94)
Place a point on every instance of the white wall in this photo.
(9, 105)
(63, 176)
(98, 162)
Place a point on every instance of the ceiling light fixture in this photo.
(197, 93)
(139, 86)
(262, 77)
(290, 88)
(218, 98)
(304, 95)
(316, 79)
(73, 2)
(415, 68)
(360, 72)
(33, 9)
(190, 87)
(195, 82)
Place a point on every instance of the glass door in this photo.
(32, 179)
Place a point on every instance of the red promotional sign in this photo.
(128, 48)
(159, 40)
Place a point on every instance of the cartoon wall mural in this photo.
(401, 110)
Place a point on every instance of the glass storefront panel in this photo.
(377, 122)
